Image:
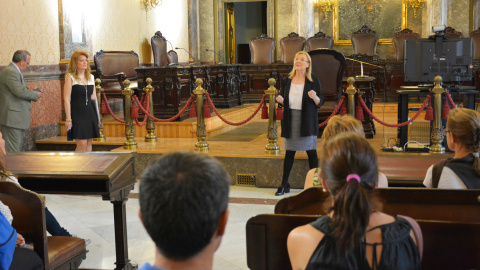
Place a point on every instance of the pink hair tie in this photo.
(353, 176)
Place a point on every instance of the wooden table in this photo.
(110, 175)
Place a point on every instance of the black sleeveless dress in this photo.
(398, 252)
(84, 115)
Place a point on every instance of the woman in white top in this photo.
(80, 100)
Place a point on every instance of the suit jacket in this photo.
(309, 124)
(15, 99)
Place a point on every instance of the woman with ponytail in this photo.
(463, 137)
(355, 234)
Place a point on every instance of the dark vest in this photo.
(463, 168)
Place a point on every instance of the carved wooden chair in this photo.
(364, 41)
(172, 58)
(319, 41)
(290, 45)
(28, 211)
(113, 67)
(451, 33)
(159, 49)
(261, 50)
(475, 35)
(329, 66)
(398, 40)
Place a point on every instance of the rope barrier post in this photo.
(351, 91)
(99, 91)
(272, 147)
(130, 143)
(150, 137)
(437, 130)
(201, 145)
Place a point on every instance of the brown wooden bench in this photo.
(419, 203)
(447, 245)
(113, 67)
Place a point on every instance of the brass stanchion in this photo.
(201, 145)
(150, 137)
(130, 143)
(351, 91)
(99, 91)
(272, 147)
(437, 130)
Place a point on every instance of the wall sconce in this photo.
(369, 3)
(325, 5)
(150, 4)
(415, 5)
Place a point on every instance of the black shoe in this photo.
(282, 190)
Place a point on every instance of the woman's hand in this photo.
(68, 124)
(20, 241)
(313, 95)
(279, 99)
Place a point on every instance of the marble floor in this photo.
(91, 218)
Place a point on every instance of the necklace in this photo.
(86, 92)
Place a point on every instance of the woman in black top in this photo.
(300, 96)
(355, 234)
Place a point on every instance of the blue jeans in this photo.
(53, 227)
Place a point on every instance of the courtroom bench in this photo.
(419, 203)
(446, 245)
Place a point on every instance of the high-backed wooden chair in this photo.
(172, 58)
(451, 33)
(398, 41)
(28, 210)
(113, 67)
(159, 49)
(329, 66)
(290, 45)
(475, 35)
(319, 41)
(261, 50)
(364, 41)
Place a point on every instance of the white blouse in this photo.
(295, 96)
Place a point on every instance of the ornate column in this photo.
(304, 17)
(193, 30)
(435, 13)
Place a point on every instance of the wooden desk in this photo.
(110, 175)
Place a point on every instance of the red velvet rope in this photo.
(450, 100)
(148, 109)
(110, 110)
(393, 125)
(239, 123)
(339, 105)
(164, 120)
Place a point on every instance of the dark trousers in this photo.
(288, 164)
(53, 227)
(26, 259)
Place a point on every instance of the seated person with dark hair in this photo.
(184, 208)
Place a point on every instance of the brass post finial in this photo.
(351, 91)
(99, 91)
(151, 136)
(130, 143)
(201, 145)
(437, 129)
(272, 147)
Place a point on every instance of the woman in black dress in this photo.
(79, 94)
(300, 96)
(355, 234)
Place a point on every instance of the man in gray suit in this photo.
(15, 102)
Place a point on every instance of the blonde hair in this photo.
(72, 66)
(308, 74)
(340, 124)
(464, 124)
